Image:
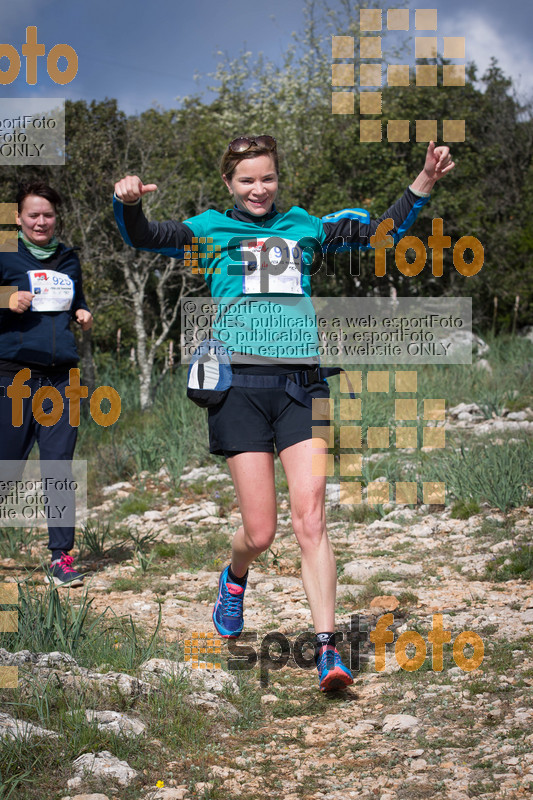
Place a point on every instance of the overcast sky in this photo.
(148, 52)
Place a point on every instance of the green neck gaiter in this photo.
(40, 252)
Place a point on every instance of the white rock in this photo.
(468, 408)
(333, 493)
(384, 525)
(399, 722)
(359, 729)
(90, 797)
(202, 473)
(197, 511)
(527, 616)
(499, 546)
(54, 659)
(391, 664)
(115, 487)
(170, 793)
(13, 728)
(268, 699)
(208, 679)
(104, 765)
(211, 703)
(422, 530)
(116, 721)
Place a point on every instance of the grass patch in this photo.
(516, 564)
(33, 768)
(16, 543)
(135, 504)
(496, 474)
(464, 509)
(172, 434)
(124, 585)
(407, 598)
(49, 621)
(348, 602)
(373, 588)
(358, 514)
(195, 554)
(167, 550)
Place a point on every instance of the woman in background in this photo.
(35, 334)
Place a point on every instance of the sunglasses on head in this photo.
(243, 143)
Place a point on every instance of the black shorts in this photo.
(253, 420)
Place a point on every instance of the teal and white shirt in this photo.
(259, 269)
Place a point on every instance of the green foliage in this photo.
(15, 541)
(489, 195)
(135, 504)
(171, 434)
(464, 509)
(496, 473)
(517, 564)
(50, 621)
(95, 535)
(209, 554)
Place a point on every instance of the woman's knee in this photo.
(309, 526)
(259, 535)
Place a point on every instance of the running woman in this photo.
(269, 402)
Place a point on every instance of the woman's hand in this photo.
(438, 163)
(131, 188)
(19, 302)
(84, 318)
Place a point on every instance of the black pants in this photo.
(56, 443)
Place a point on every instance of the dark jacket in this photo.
(38, 337)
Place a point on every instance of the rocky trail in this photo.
(397, 734)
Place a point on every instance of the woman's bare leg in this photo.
(253, 478)
(307, 497)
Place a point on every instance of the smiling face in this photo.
(37, 219)
(254, 184)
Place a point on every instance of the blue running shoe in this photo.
(332, 673)
(227, 613)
